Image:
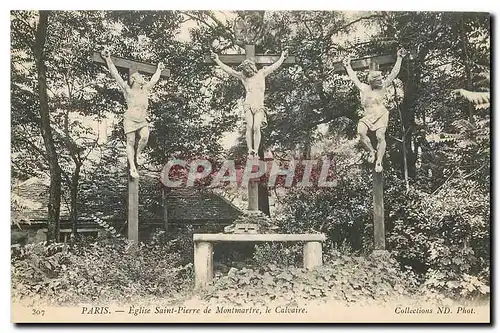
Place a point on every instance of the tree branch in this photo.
(34, 147)
(444, 183)
(358, 20)
(475, 171)
(435, 67)
(211, 16)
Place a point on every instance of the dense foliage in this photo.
(105, 270)
(343, 278)
(436, 170)
(98, 270)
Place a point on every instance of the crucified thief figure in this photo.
(254, 82)
(376, 116)
(134, 120)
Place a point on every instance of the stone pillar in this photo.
(203, 263)
(313, 255)
(133, 210)
(253, 195)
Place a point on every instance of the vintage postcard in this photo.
(250, 166)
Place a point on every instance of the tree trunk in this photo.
(403, 142)
(467, 68)
(75, 179)
(306, 153)
(408, 121)
(54, 204)
(165, 209)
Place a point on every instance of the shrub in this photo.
(281, 254)
(35, 268)
(103, 270)
(445, 237)
(344, 278)
(442, 235)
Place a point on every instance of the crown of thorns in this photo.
(374, 75)
(248, 62)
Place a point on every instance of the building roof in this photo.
(184, 205)
(194, 204)
(30, 199)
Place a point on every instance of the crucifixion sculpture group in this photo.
(253, 78)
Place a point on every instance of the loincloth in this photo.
(258, 111)
(376, 120)
(134, 120)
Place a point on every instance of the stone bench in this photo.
(203, 250)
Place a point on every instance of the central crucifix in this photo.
(134, 122)
(253, 79)
(247, 30)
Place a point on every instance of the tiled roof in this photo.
(183, 204)
(199, 204)
(33, 195)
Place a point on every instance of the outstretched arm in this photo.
(225, 67)
(395, 70)
(114, 72)
(156, 76)
(352, 73)
(276, 65)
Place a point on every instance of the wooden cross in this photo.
(133, 183)
(378, 179)
(366, 62)
(262, 59)
(373, 63)
(131, 65)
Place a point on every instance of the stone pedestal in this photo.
(203, 250)
(203, 263)
(313, 255)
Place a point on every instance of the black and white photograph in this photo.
(250, 166)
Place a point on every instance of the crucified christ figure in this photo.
(254, 82)
(376, 116)
(134, 121)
